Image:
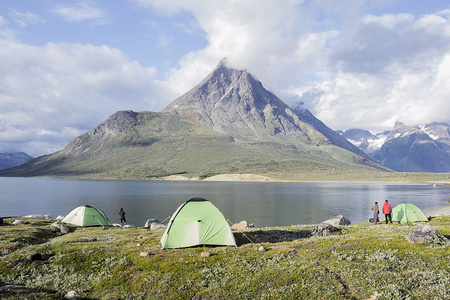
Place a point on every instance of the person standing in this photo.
(376, 211)
(387, 210)
(122, 217)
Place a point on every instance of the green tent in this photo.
(407, 212)
(197, 222)
(86, 216)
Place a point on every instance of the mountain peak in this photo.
(232, 99)
(234, 102)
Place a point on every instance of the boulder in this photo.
(36, 256)
(17, 222)
(425, 233)
(47, 217)
(157, 226)
(59, 217)
(1, 220)
(323, 229)
(338, 220)
(61, 226)
(72, 295)
(153, 224)
(242, 225)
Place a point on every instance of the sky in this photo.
(66, 66)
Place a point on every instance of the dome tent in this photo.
(86, 216)
(197, 222)
(407, 212)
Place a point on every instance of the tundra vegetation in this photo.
(358, 262)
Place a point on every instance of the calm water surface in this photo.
(264, 204)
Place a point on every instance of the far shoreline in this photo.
(331, 176)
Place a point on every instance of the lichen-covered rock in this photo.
(323, 229)
(338, 220)
(71, 295)
(61, 226)
(426, 234)
(242, 225)
(17, 222)
(153, 224)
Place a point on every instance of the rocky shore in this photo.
(438, 212)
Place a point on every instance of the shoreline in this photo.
(433, 213)
(344, 177)
(334, 176)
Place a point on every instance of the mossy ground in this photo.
(360, 261)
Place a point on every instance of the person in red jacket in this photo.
(387, 210)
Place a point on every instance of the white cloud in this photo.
(5, 31)
(258, 36)
(389, 21)
(25, 19)
(58, 91)
(352, 68)
(80, 12)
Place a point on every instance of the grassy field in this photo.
(362, 261)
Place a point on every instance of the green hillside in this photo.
(229, 123)
(150, 145)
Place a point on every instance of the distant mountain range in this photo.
(8, 160)
(228, 123)
(406, 148)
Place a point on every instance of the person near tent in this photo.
(387, 210)
(376, 211)
(122, 217)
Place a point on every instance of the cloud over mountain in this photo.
(353, 64)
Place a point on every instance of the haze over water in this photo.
(264, 204)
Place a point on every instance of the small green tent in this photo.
(86, 216)
(407, 212)
(197, 222)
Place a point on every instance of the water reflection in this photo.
(264, 204)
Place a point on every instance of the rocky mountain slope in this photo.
(407, 148)
(8, 160)
(228, 123)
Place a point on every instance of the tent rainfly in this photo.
(86, 216)
(407, 212)
(197, 222)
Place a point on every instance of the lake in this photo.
(261, 203)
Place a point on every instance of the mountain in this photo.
(228, 123)
(8, 160)
(364, 139)
(407, 148)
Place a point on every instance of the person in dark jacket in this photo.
(122, 217)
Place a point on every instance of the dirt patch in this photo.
(238, 177)
(176, 178)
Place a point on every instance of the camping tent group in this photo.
(407, 212)
(196, 222)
